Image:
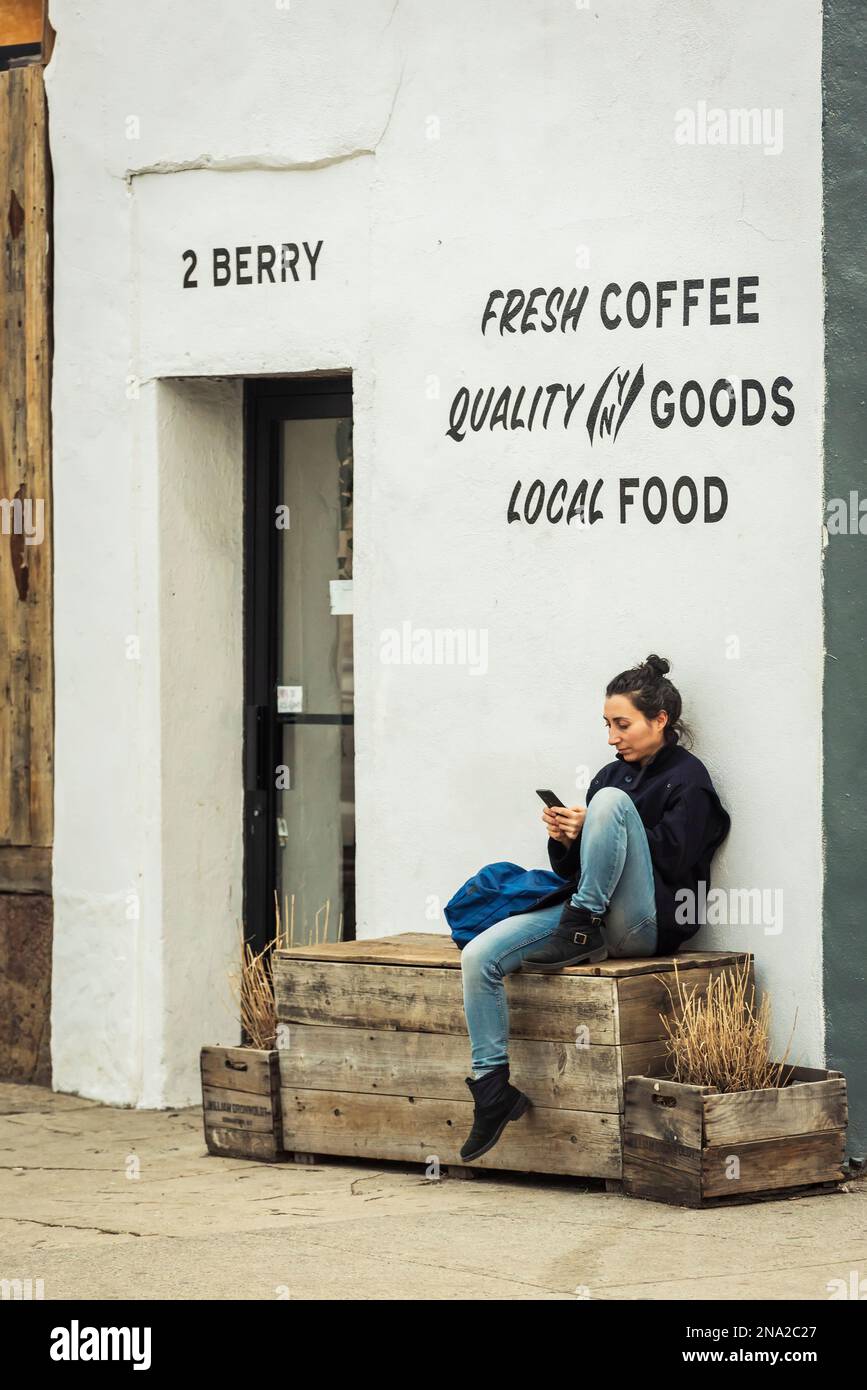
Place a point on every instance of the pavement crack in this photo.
(49, 1110)
(368, 1177)
(99, 1230)
(39, 1168)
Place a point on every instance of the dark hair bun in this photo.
(650, 691)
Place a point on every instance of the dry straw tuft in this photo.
(717, 1038)
(253, 983)
(254, 991)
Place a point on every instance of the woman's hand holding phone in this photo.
(564, 822)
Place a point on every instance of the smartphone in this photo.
(549, 798)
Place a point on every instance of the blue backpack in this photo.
(495, 892)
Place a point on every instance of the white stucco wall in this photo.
(439, 152)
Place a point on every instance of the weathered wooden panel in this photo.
(416, 999)
(773, 1164)
(665, 1110)
(25, 987)
(661, 1170)
(374, 1056)
(25, 869)
(436, 1065)
(438, 949)
(414, 1130)
(642, 998)
(237, 1069)
(241, 1110)
(739, 1117)
(667, 1155)
(404, 948)
(26, 714)
(231, 1143)
(642, 1059)
(241, 1102)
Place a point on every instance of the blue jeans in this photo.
(616, 879)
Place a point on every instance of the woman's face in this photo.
(629, 732)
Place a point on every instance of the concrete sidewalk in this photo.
(106, 1203)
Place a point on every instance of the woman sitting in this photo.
(633, 858)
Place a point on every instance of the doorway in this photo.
(299, 755)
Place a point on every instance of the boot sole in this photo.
(588, 958)
(521, 1104)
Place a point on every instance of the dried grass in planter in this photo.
(717, 1038)
(254, 992)
(253, 983)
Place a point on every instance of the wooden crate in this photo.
(373, 1052)
(696, 1146)
(241, 1102)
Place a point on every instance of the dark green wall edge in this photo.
(844, 87)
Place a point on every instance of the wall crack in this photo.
(232, 163)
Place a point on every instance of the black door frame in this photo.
(267, 402)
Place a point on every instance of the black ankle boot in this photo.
(496, 1102)
(576, 940)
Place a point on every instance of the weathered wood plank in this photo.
(414, 1130)
(642, 998)
(25, 868)
(233, 1143)
(15, 779)
(37, 353)
(241, 1102)
(643, 1059)
(26, 712)
(418, 1000)
(739, 1117)
(656, 1169)
(240, 1069)
(438, 949)
(436, 1065)
(667, 1128)
(241, 1110)
(665, 1110)
(810, 1073)
(25, 987)
(773, 1163)
(628, 966)
(404, 948)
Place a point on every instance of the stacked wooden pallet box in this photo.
(373, 1052)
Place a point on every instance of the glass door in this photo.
(299, 755)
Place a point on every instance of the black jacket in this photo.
(685, 824)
